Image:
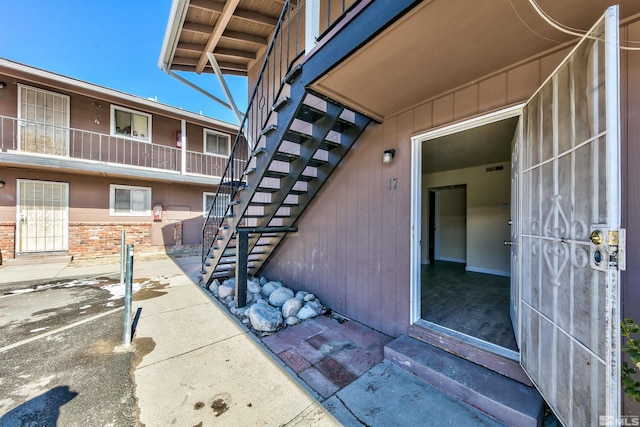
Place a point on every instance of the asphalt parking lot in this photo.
(58, 361)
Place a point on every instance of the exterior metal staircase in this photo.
(301, 144)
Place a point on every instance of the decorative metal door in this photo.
(42, 216)
(569, 307)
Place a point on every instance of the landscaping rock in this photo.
(213, 287)
(226, 289)
(292, 320)
(279, 296)
(264, 318)
(291, 307)
(253, 286)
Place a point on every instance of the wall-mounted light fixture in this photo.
(388, 156)
(1, 184)
(3, 85)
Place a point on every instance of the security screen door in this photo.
(571, 244)
(42, 216)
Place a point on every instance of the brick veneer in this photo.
(103, 238)
(7, 240)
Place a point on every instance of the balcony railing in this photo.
(27, 137)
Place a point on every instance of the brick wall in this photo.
(101, 238)
(7, 240)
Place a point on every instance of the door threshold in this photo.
(491, 356)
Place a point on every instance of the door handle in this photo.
(508, 243)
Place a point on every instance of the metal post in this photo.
(122, 257)
(127, 297)
(242, 255)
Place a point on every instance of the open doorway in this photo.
(465, 214)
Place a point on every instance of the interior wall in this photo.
(452, 224)
(488, 210)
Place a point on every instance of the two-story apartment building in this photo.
(79, 163)
(459, 172)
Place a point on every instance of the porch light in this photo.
(388, 156)
(1, 184)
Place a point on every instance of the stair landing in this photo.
(504, 399)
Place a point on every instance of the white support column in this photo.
(312, 24)
(183, 145)
(223, 83)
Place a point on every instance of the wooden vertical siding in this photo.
(352, 249)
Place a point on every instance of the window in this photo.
(130, 123)
(44, 121)
(127, 200)
(207, 201)
(216, 143)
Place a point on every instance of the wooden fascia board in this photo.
(218, 29)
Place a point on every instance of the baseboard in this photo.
(488, 271)
(458, 260)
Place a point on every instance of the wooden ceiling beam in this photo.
(197, 28)
(218, 29)
(237, 53)
(256, 17)
(245, 37)
(193, 47)
(211, 6)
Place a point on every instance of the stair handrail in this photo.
(220, 205)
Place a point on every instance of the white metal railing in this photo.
(36, 138)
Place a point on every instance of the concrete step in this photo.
(502, 398)
(39, 258)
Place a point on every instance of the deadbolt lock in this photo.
(597, 237)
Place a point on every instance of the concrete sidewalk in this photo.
(194, 364)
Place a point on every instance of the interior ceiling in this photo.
(482, 145)
(444, 44)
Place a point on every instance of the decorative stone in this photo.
(301, 294)
(264, 318)
(226, 289)
(291, 307)
(213, 287)
(261, 301)
(279, 296)
(309, 297)
(253, 286)
(263, 281)
(292, 320)
(268, 288)
(307, 312)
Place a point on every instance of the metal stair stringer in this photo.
(268, 145)
(335, 156)
(321, 131)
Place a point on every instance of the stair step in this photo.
(506, 400)
(285, 157)
(268, 130)
(309, 114)
(258, 151)
(249, 171)
(307, 178)
(297, 136)
(275, 174)
(291, 75)
(267, 189)
(280, 103)
(329, 145)
(317, 162)
(297, 192)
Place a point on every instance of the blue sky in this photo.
(112, 43)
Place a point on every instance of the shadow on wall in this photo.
(43, 410)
